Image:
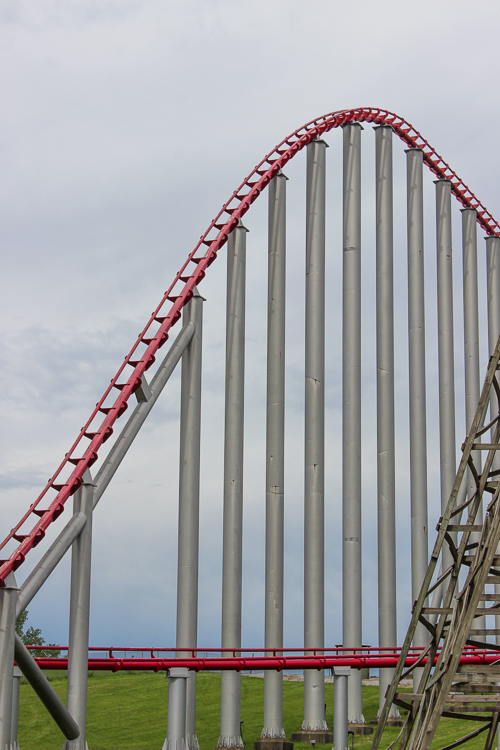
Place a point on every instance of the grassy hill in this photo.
(129, 712)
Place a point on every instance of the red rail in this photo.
(82, 454)
(366, 656)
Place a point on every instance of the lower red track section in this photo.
(366, 657)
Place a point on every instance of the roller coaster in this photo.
(84, 474)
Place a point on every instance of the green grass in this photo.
(129, 712)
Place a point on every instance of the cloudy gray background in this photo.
(126, 125)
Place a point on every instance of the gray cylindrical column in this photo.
(314, 469)
(275, 452)
(189, 502)
(79, 614)
(471, 349)
(16, 688)
(445, 347)
(176, 719)
(351, 409)
(386, 467)
(471, 314)
(233, 483)
(8, 598)
(417, 386)
(340, 724)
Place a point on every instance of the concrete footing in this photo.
(321, 737)
(272, 743)
(360, 728)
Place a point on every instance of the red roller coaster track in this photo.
(277, 659)
(66, 479)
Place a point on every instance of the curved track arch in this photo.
(156, 332)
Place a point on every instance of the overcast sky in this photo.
(126, 124)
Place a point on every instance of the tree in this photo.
(33, 637)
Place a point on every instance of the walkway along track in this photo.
(99, 427)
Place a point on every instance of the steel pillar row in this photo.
(417, 385)
(189, 506)
(386, 461)
(275, 453)
(351, 410)
(233, 483)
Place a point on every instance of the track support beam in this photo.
(275, 454)
(79, 614)
(189, 506)
(178, 678)
(45, 691)
(471, 349)
(446, 349)
(417, 384)
(351, 410)
(340, 723)
(233, 483)
(8, 598)
(141, 411)
(314, 469)
(386, 461)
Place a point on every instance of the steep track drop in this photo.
(66, 479)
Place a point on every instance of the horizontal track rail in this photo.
(259, 663)
(203, 659)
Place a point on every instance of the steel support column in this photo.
(79, 613)
(189, 506)
(351, 409)
(16, 688)
(275, 452)
(386, 462)
(471, 348)
(417, 386)
(233, 483)
(446, 353)
(340, 723)
(471, 316)
(178, 678)
(314, 469)
(8, 597)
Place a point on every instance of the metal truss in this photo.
(472, 546)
